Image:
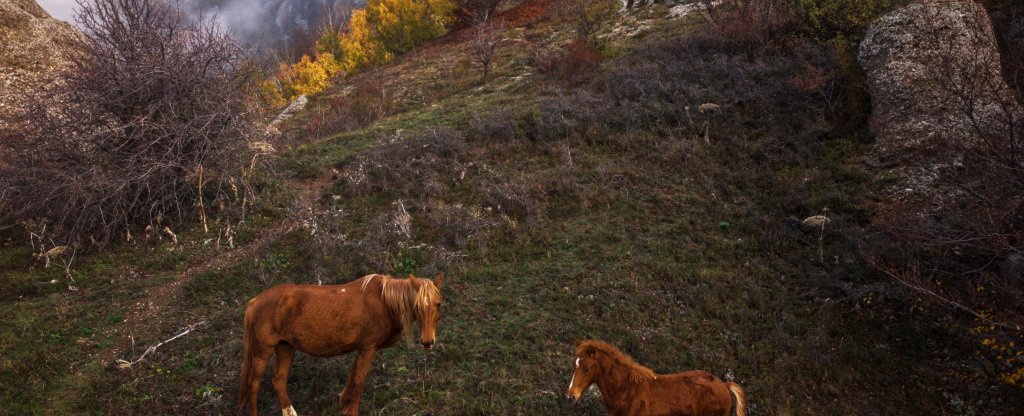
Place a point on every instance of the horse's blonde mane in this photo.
(637, 372)
(402, 297)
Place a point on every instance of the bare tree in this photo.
(589, 17)
(469, 12)
(152, 119)
(485, 43)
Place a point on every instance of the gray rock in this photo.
(1013, 267)
(33, 47)
(920, 61)
(290, 111)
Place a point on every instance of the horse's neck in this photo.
(392, 310)
(613, 383)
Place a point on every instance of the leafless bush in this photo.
(461, 226)
(663, 83)
(589, 17)
(371, 100)
(501, 125)
(751, 26)
(410, 166)
(487, 37)
(470, 12)
(544, 56)
(516, 197)
(373, 244)
(575, 64)
(150, 122)
(560, 117)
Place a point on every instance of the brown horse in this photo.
(364, 315)
(630, 389)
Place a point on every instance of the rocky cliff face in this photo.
(935, 74)
(33, 47)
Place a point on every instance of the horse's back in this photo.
(319, 320)
(697, 390)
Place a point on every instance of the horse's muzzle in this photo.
(428, 345)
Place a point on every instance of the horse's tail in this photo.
(741, 400)
(243, 388)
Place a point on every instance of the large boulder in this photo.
(924, 62)
(33, 47)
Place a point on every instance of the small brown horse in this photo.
(364, 315)
(630, 389)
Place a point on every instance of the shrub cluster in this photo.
(149, 126)
(752, 25)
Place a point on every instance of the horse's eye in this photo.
(586, 369)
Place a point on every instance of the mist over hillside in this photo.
(271, 24)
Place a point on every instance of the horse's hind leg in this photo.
(261, 355)
(285, 353)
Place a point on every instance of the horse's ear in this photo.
(577, 342)
(437, 280)
(411, 277)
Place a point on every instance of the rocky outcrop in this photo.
(33, 47)
(934, 73)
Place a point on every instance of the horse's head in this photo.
(585, 374)
(428, 308)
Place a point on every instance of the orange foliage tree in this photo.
(375, 34)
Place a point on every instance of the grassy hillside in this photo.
(598, 202)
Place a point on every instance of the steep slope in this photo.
(650, 198)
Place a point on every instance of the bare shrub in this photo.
(370, 100)
(150, 121)
(328, 119)
(662, 85)
(516, 197)
(562, 116)
(588, 18)
(470, 12)
(543, 56)
(576, 63)
(751, 25)
(501, 125)
(410, 166)
(487, 37)
(461, 226)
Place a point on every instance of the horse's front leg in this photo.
(356, 382)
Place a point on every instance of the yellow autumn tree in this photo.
(386, 28)
(376, 33)
(311, 76)
(360, 46)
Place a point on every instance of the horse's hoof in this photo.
(290, 411)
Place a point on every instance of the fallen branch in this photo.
(126, 364)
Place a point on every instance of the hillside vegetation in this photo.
(644, 186)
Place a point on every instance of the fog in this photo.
(267, 24)
(270, 24)
(60, 9)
